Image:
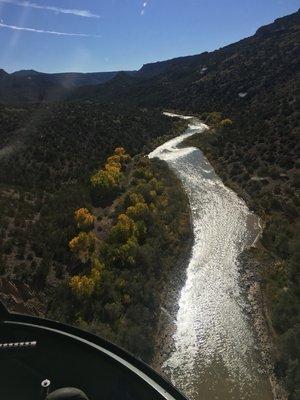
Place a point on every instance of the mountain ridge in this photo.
(214, 79)
(33, 86)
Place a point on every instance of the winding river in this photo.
(215, 354)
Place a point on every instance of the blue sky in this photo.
(106, 35)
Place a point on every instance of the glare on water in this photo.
(215, 354)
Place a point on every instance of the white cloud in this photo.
(27, 4)
(22, 28)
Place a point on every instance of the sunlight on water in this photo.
(215, 354)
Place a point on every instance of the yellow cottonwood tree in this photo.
(82, 286)
(124, 157)
(226, 123)
(85, 285)
(136, 198)
(114, 160)
(84, 218)
(123, 230)
(84, 245)
(120, 151)
(138, 211)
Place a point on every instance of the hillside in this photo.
(227, 79)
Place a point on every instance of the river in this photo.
(215, 351)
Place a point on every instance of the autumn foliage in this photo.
(84, 218)
(83, 286)
(83, 245)
(145, 229)
(106, 183)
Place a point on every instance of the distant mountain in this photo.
(26, 89)
(32, 86)
(219, 79)
(3, 74)
(25, 73)
(225, 79)
(69, 79)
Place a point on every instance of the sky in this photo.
(111, 35)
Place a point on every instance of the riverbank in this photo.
(169, 305)
(251, 282)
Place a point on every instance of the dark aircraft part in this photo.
(45, 388)
(35, 350)
(67, 394)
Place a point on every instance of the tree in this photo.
(120, 151)
(226, 123)
(104, 186)
(114, 161)
(85, 285)
(82, 286)
(126, 253)
(214, 118)
(140, 211)
(84, 218)
(106, 182)
(124, 157)
(84, 245)
(123, 230)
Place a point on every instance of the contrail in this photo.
(79, 13)
(22, 28)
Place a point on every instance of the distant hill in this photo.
(68, 80)
(29, 86)
(3, 74)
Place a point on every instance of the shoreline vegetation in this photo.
(269, 272)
